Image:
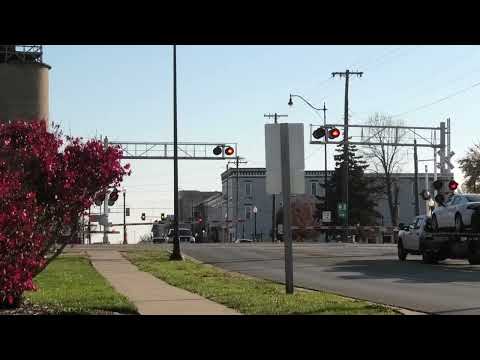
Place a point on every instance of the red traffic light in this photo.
(229, 151)
(333, 133)
(453, 185)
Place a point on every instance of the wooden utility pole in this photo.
(346, 74)
(415, 184)
(274, 215)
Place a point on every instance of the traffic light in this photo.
(100, 198)
(333, 133)
(229, 151)
(143, 217)
(162, 217)
(453, 185)
(319, 133)
(113, 197)
(200, 220)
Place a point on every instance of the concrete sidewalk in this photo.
(151, 295)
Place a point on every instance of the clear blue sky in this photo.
(125, 93)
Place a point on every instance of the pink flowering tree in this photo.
(46, 183)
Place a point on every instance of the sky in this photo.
(125, 93)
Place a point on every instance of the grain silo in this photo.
(23, 83)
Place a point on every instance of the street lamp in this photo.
(324, 109)
(255, 210)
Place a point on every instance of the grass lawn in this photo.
(70, 285)
(247, 295)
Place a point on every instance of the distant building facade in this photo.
(219, 211)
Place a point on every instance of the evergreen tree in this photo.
(363, 192)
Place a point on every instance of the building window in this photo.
(248, 189)
(248, 212)
(314, 188)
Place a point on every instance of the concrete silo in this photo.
(23, 83)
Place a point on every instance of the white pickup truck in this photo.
(410, 237)
(419, 238)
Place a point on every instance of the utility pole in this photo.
(415, 184)
(274, 215)
(176, 254)
(124, 219)
(346, 74)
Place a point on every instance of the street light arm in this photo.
(306, 101)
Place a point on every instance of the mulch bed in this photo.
(28, 308)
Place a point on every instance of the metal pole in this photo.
(105, 207)
(89, 228)
(345, 154)
(415, 184)
(284, 144)
(236, 205)
(228, 205)
(176, 254)
(325, 179)
(442, 148)
(255, 227)
(427, 209)
(124, 220)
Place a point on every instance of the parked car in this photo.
(185, 235)
(459, 213)
(243, 241)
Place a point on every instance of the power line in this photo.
(438, 101)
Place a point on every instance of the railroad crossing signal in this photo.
(100, 198)
(332, 133)
(453, 185)
(113, 197)
(228, 150)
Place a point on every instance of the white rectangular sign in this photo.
(326, 216)
(274, 163)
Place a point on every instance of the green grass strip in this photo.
(244, 294)
(71, 285)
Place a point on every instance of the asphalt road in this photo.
(369, 272)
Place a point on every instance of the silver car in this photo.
(459, 213)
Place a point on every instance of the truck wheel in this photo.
(402, 254)
(429, 258)
(458, 223)
(474, 260)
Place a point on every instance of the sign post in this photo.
(285, 163)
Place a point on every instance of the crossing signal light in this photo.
(333, 133)
(229, 151)
(100, 198)
(143, 217)
(453, 185)
(113, 197)
(217, 151)
(319, 133)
